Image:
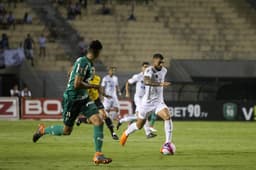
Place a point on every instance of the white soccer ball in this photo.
(168, 149)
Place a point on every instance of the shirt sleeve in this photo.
(11, 92)
(81, 69)
(133, 80)
(103, 83)
(116, 81)
(148, 72)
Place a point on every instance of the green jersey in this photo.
(82, 67)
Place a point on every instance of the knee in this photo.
(96, 120)
(139, 125)
(67, 131)
(167, 117)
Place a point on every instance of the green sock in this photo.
(56, 130)
(98, 137)
(152, 119)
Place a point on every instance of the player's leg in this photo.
(106, 118)
(82, 120)
(131, 129)
(69, 114)
(109, 123)
(107, 105)
(143, 113)
(115, 106)
(168, 125)
(147, 130)
(153, 118)
(91, 111)
(128, 118)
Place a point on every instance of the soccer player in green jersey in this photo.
(76, 100)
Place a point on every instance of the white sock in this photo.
(132, 128)
(168, 127)
(147, 128)
(128, 118)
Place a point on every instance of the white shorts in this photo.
(110, 103)
(147, 108)
(137, 101)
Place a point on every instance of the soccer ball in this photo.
(168, 149)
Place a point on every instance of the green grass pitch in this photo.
(200, 146)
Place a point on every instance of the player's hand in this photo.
(97, 87)
(127, 95)
(165, 84)
(108, 96)
(120, 94)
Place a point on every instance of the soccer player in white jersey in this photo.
(111, 88)
(137, 79)
(154, 79)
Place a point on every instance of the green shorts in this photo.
(73, 107)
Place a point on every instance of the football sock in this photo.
(168, 127)
(98, 137)
(56, 130)
(128, 118)
(132, 128)
(146, 128)
(109, 125)
(153, 119)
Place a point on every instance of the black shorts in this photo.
(99, 104)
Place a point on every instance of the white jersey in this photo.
(140, 86)
(110, 84)
(154, 93)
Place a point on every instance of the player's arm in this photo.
(80, 84)
(127, 92)
(127, 85)
(80, 73)
(102, 92)
(148, 82)
(118, 88)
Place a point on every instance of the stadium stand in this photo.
(17, 36)
(195, 29)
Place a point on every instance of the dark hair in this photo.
(95, 46)
(158, 55)
(145, 63)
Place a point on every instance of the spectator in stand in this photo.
(4, 43)
(11, 19)
(42, 45)
(2, 9)
(15, 91)
(60, 2)
(25, 92)
(105, 9)
(132, 16)
(13, 2)
(78, 9)
(71, 11)
(27, 18)
(82, 45)
(28, 48)
(83, 3)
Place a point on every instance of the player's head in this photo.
(16, 87)
(144, 65)
(94, 49)
(111, 71)
(158, 61)
(93, 71)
